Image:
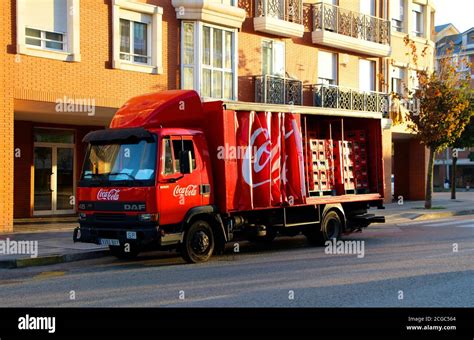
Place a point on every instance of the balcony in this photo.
(351, 31)
(279, 17)
(278, 90)
(343, 98)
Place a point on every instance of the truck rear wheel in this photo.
(198, 244)
(122, 253)
(331, 227)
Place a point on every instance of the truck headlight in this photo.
(147, 217)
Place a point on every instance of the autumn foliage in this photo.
(442, 108)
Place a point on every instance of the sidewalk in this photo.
(442, 207)
(55, 243)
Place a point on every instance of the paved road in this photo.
(415, 261)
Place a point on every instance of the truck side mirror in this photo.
(185, 162)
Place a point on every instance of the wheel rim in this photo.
(200, 243)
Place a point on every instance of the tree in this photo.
(466, 140)
(441, 105)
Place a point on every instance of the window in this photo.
(172, 148)
(134, 44)
(44, 39)
(414, 80)
(273, 54)
(398, 11)
(228, 2)
(366, 75)
(209, 66)
(327, 68)
(398, 76)
(367, 7)
(417, 15)
(137, 37)
(49, 29)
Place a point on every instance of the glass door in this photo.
(54, 179)
(64, 180)
(43, 196)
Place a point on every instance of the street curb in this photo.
(429, 216)
(52, 259)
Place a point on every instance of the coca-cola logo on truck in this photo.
(108, 195)
(190, 190)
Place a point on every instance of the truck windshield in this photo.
(120, 164)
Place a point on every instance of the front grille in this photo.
(110, 217)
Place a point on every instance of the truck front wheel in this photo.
(198, 244)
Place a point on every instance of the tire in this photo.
(331, 227)
(198, 244)
(119, 252)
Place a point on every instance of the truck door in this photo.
(178, 192)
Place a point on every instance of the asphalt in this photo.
(55, 245)
(406, 264)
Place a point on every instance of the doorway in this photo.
(54, 187)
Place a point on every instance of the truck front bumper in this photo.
(143, 236)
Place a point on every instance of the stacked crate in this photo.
(359, 140)
(321, 165)
(344, 167)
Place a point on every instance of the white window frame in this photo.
(71, 48)
(401, 79)
(274, 57)
(43, 40)
(154, 36)
(232, 2)
(420, 12)
(198, 57)
(134, 20)
(398, 23)
(328, 81)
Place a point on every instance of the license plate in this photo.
(131, 235)
(109, 242)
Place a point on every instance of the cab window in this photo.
(171, 150)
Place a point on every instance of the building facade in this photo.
(68, 65)
(463, 47)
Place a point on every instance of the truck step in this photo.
(370, 218)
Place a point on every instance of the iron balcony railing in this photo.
(337, 97)
(278, 90)
(353, 24)
(288, 10)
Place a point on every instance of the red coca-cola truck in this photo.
(175, 172)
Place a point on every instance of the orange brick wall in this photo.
(7, 73)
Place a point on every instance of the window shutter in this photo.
(47, 15)
(327, 67)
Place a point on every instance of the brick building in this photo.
(68, 65)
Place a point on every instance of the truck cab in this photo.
(138, 186)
